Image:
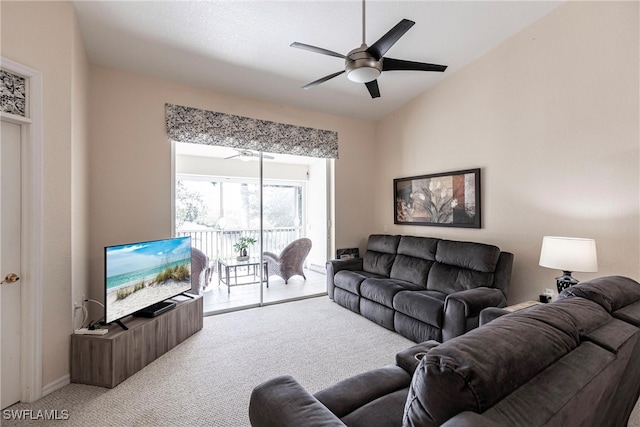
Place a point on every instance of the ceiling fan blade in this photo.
(374, 90)
(390, 64)
(322, 80)
(317, 50)
(379, 48)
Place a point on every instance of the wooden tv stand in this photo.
(107, 360)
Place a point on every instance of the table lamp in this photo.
(568, 254)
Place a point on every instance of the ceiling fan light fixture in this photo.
(363, 74)
(361, 66)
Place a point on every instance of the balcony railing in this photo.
(218, 244)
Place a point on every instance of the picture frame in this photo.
(448, 199)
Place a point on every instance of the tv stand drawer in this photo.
(107, 360)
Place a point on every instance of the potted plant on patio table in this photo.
(242, 245)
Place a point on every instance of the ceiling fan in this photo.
(365, 63)
(248, 155)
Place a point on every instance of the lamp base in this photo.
(565, 281)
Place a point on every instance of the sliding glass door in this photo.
(238, 205)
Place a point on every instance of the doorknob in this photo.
(11, 278)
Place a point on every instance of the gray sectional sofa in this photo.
(423, 288)
(573, 362)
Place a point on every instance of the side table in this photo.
(522, 306)
(491, 313)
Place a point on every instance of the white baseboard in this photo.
(318, 268)
(56, 385)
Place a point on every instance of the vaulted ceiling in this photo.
(243, 47)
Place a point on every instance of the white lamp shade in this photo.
(569, 254)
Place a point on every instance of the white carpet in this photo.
(207, 380)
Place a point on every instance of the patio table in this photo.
(228, 265)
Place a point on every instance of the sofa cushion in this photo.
(415, 330)
(570, 393)
(463, 265)
(382, 291)
(586, 315)
(378, 263)
(410, 269)
(352, 393)
(347, 299)
(414, 259)
(470, 255)
(386, 410)
(418, 247)
(467, 374)
(383, 243)
(629, 314)
(449, 278)
(426, 306)
(611, 292)
(351, 280)
(380, 254)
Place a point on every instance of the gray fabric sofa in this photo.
(423, 288)
(573, 362)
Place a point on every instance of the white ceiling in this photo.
(242, 47)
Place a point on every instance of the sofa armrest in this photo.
(502, 278)
(462, 309)
(282, 401)
(335, 265)
(409, 358)
(491, 313)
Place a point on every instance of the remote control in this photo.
(85, 331)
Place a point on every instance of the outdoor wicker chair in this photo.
(200, 271)
(291, 259)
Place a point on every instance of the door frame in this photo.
(31, 234)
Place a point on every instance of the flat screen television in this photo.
(138, 275)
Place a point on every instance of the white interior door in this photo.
(10, 238)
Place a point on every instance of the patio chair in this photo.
(200, 271)
(291, 259)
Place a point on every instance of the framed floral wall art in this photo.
(448, 199)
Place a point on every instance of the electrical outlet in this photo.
(78, 305)
(548, 291)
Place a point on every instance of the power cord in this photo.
(85, 314)
(94, 324)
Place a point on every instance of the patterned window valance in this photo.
(13, 93)
(186, 124)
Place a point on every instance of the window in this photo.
(232, 207)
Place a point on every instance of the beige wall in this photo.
(551, 117)
(80, 177)
(43, 36)
(131, 158)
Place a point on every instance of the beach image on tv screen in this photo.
(141, 274)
